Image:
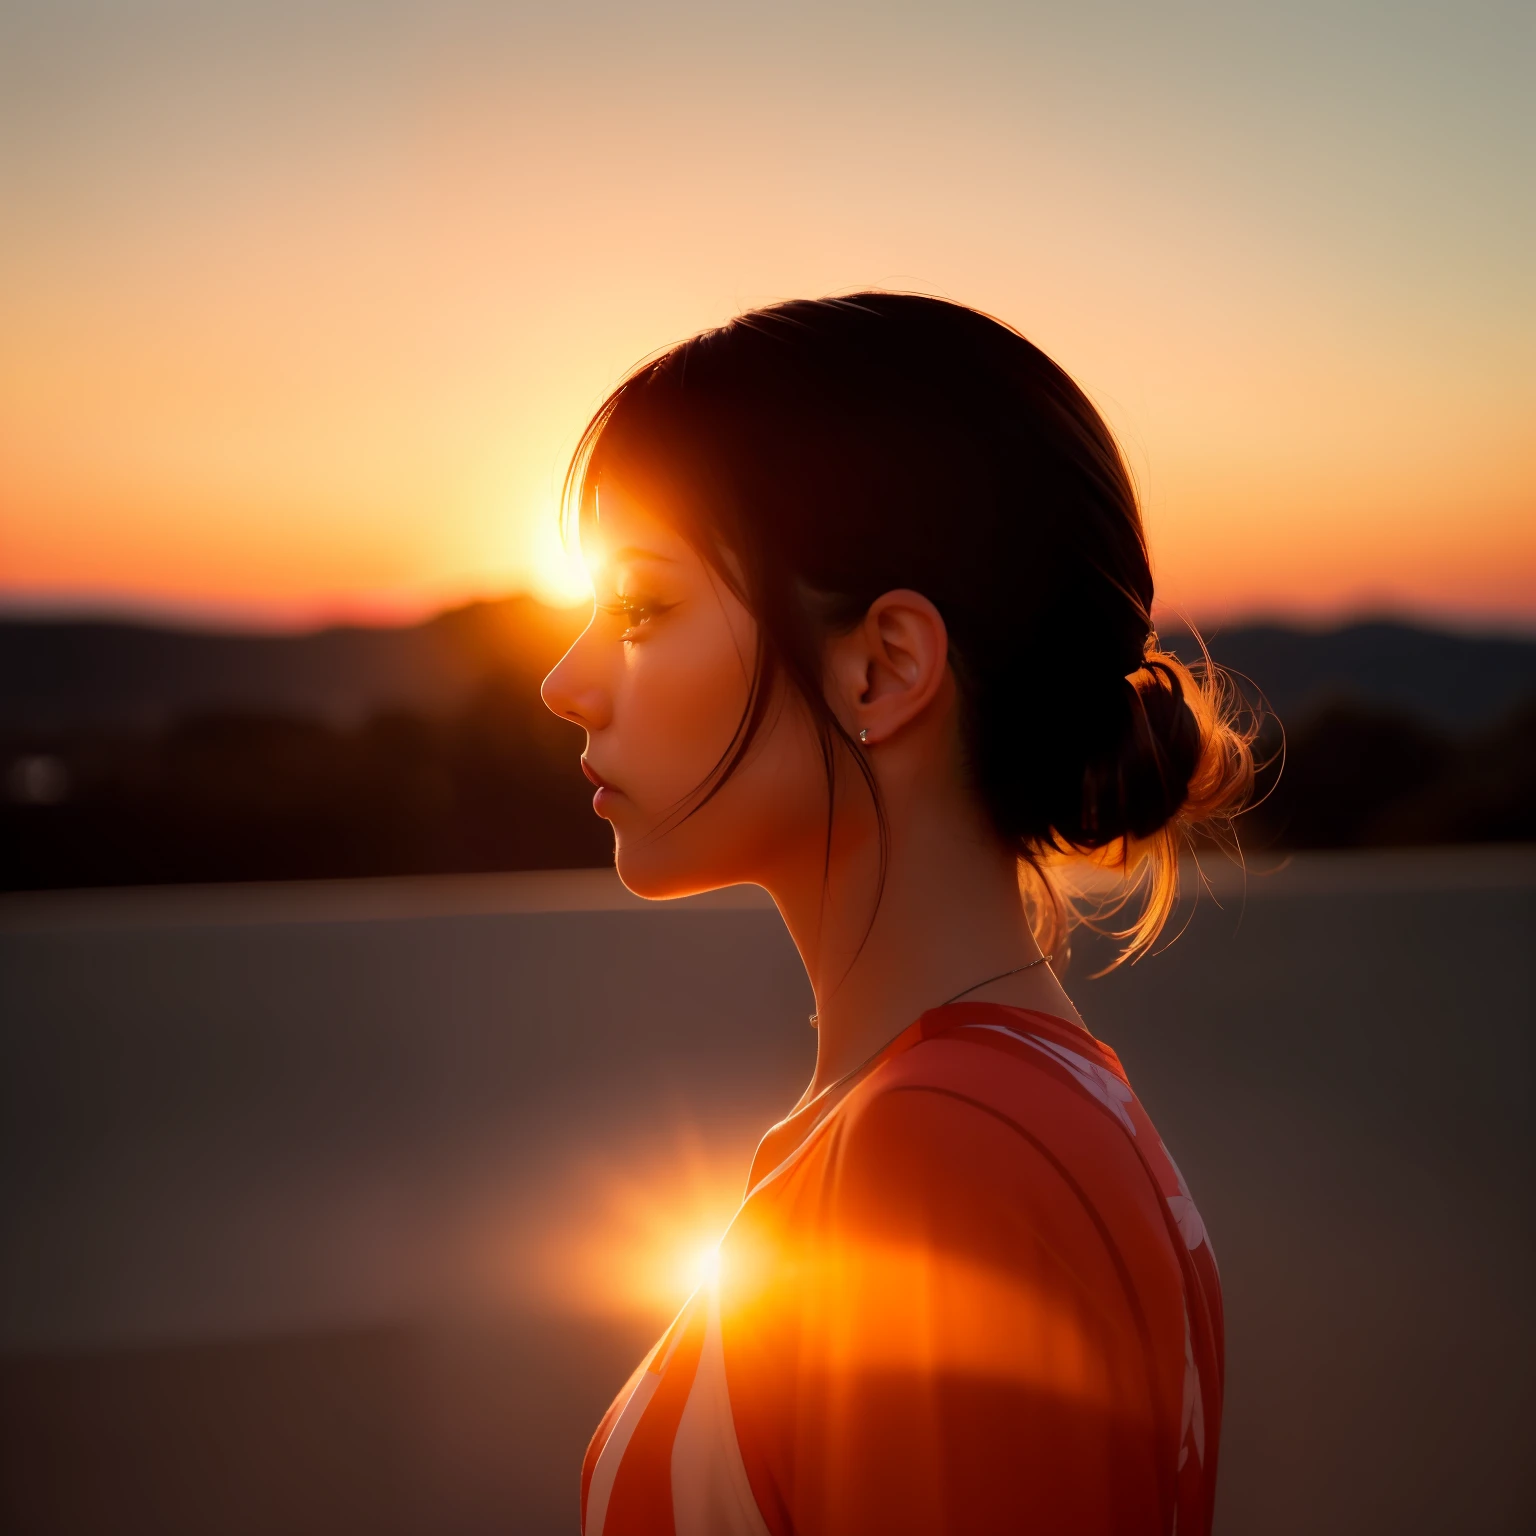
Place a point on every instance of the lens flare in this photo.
(706, 1264)
(632, 1235)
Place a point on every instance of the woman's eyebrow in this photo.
(637, 552)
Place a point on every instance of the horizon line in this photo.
(275, 621)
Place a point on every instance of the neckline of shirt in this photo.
(920, 1029)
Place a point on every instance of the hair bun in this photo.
(1157, 754)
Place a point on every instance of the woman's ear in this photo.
(891, 665)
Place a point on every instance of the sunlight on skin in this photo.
(659, 680)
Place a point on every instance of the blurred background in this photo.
(357, 1130)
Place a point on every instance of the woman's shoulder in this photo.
(1018, 1123)
(1043, 1079)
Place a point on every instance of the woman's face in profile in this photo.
(659, 680)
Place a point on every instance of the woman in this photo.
(873, 632)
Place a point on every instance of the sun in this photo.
(558, 575)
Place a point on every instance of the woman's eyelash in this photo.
(636, 612)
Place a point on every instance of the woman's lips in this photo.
(605, 790)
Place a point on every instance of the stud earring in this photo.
(864, 736)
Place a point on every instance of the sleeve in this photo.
(957, 1347)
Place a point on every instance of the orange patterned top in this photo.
(967, 1291)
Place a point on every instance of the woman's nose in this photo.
(571, 692)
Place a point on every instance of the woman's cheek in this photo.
(686, 703)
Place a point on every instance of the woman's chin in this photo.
(660, 879)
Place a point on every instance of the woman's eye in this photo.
(634, 612)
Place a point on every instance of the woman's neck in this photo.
(950, 916)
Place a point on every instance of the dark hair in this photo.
(835, 449)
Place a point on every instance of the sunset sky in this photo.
(302, 306)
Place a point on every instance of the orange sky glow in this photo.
(302, 316)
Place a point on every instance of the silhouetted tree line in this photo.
(140, 754)
(1352, 775)
(494, 785)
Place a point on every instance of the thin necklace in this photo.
(1028, 965)
(975, 986)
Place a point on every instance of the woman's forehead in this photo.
(626, 528)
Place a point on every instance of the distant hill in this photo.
(69, 673)
(65, 674)
(1447, 681)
